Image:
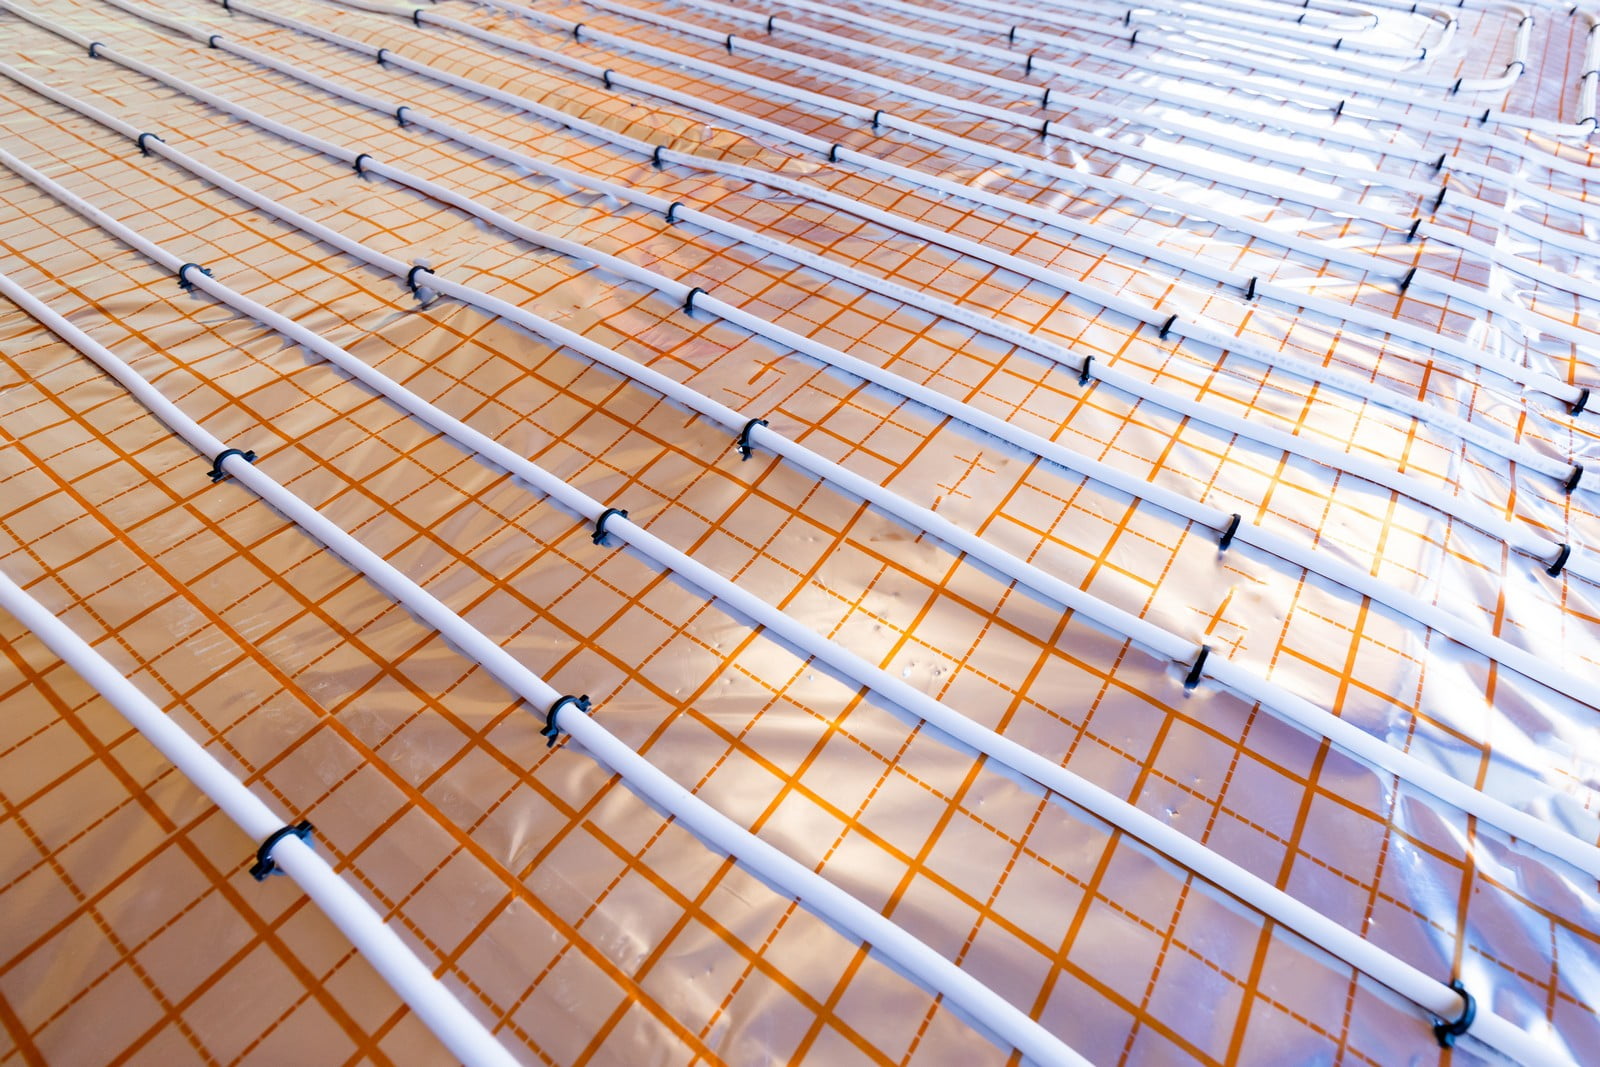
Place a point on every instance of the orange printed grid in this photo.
(593, 919)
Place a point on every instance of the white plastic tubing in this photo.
(1285, 87)
(1469, 512)
(436, 1006)
(1276, 699)
(1378, 270)
(1167, 320)
(1286, 82)
(1449, 623)
(1523, 539)
(1418, 987)
(989, 1010)
(982, 1004)
(1306, 193)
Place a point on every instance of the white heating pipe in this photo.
(991, 1011)
(1384, 272)
(1058, 98)
(1275, 698)
(1169, 322)
(1421, 989)
(1160, 316)
(1449, 623)
(776, 868)
(438, 1009)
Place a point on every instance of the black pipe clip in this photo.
(1484, 118)
(599, 535)
(551, 731)
(1339, 110)
(727, 42)
(1411, 234)
(1192, 679)
(183, 275)
(1083, 372)
(576, 26)
(1438, 164)
(833, 153)
(212, 41)
(688, 301)
(264, 866)
(416, 17)
(1573, 479)
(655, 157)
(1166, 327)
(1133, 40)
(770, 20)
(143, 149)
(217, 473)
(877, 118)
(379, 57)
(1446, 1031)
(1227, 535)
(1405, 283)
(1027, 70)
(1560, 564)
(1250, 290)
(92, 46)
(1438, 201)
(1579, 404)
(605, 78)
(672, 212)
(400, 115)
(1045, 102)
(411, 279)
(1517, 63)
(1456, 88)
(744, 437)
(357, 163)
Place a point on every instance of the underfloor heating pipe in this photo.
(1279, 701)
(992, 1013)
(1168, 322)
(677, 212)
(1530, 665)
(1415, 228)
(1427, 992)
(1474, 132)
(437, 1008)
(1381, 271)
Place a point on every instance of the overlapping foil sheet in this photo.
(1200, 284)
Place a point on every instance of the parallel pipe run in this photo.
(1542, 549)
(1291, 296)
(1427, 992)
(827, 900)
(1351, 384)
(992, 1013)
(1504, 258)
(1277, 700)
(1472, 133)
(1448, 623)
(467, 1039)
(457, 1028)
